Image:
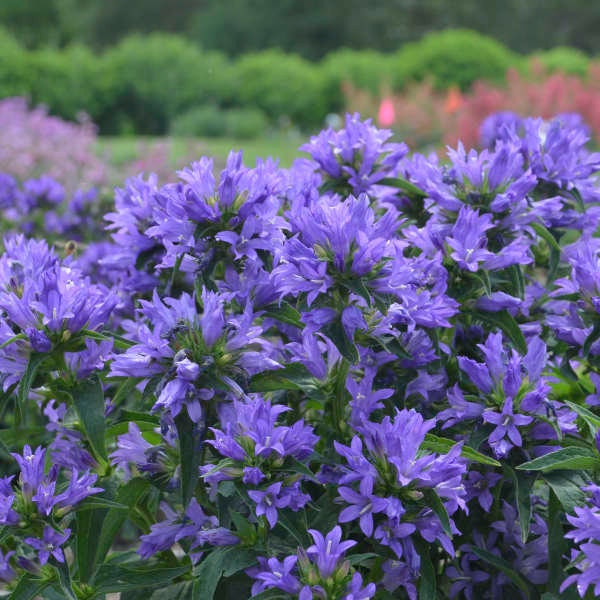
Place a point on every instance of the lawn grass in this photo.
(123, 150)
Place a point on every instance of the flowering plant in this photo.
(373, 375)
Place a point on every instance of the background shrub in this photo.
(200, 121)
(245, 123)
(212, 121)
(365, 69)
(282, 85)
(567, 60)
(157, 77)
(453, 58)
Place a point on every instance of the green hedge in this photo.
(453, 58)
(567, 60)
(143, 84)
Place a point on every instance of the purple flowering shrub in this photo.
(373, 375)
(35, 144)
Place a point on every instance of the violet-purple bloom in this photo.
(50, 544)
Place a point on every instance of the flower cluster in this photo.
(374, 374)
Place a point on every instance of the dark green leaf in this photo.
(64, 580)
(546, 235)
(88, 398)
(35, 360)
(518, 282)
(572, 457)
(522, 484)
(128, 495)
(404, 185)
(294, 376)
(506, 322)
(28, 587)
(337, 334)
(131, 576)
(220, 562)
(285, 313)
(442, 445)
(503, 566)
(556, 543)
(568, 487)
(361, 559)
(590, 339)
(89, 527)
(437, 506)
(359, 288)
(586, 414)
(124, 390)
(190, 442)
(428, 579)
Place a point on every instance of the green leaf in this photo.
(518, 282)
(294, 376)
(437, 506)
(13, 339)
(190, 442)
(590, 339)
(546, 235)
(220, 562)
(443, 445)
(64, 580)
(572, 457)
(89, 527)
(133, 575)
(568, 487)
(35, 361)
(556, 543)
(359, 288)
(505, 321)
(587, 415)
(361, 559)
(523, 485)
(404, 185)
(124, 390)
(119, 341)
(28, 587)
(128, 495)
(502, 566)
(88, 398)
(285, 313)
(336, 333)
(177, 591)
(428, 579)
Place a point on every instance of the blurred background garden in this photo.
(148, 85)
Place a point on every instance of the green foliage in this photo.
(212, 121)
(245, 123)
(567, 60)
(68, 81)
(365, 69)
(282, 85)
(14, 72)
(453, 58)
(157, 77)
(200, 121)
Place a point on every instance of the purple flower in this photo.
(268, 501)
(7, 573)
(468, 240)
(32, 468)
(277, 574)
(506, 427)
(361, 507)
(356, 591)
(50, 544)
(328, 551)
